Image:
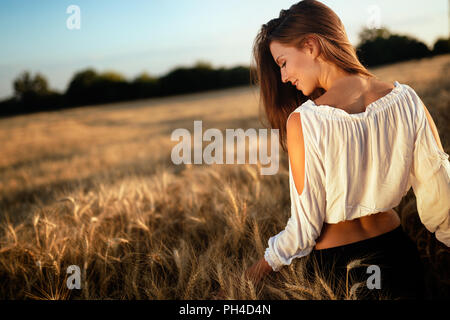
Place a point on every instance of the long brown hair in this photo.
(307, 18)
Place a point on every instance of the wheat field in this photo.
(95, 187)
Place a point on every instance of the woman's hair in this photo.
(307, 18)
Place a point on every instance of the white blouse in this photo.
(360, 164)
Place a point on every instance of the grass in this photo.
(95, 187)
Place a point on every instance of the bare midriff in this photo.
(346, 232)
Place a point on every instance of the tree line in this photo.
(380, 46)
(87, 87)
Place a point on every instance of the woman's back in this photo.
(357, 168)
(353, 96)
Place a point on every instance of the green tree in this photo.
(144, 85)
(202, 64)
(441, 46)
(82, 79)
(80, 89)
(112, 76)
(25, 86)
(368, 34)
(145, 77)
(380, 46)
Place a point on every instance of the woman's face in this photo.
(300, 67)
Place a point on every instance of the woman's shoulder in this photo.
(381, 87)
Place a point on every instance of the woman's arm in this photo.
(430, 177)
(296, 151)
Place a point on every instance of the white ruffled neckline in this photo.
(378, 104)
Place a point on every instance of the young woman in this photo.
(356, 145)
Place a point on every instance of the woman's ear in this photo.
(311, 46)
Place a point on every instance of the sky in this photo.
(156, 36)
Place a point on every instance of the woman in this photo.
(356, 144)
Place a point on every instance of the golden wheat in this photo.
(95, 187)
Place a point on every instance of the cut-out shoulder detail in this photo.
(433, 128)
(296, 150)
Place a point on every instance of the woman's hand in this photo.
(258, 271)
(219, 295)
(255, 273)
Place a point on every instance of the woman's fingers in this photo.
(219, 295)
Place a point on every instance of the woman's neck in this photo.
(332, 76)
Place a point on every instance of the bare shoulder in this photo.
(433, 128)
(296, 150)
(377, 87)
(294, 126)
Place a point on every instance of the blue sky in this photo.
(155, 36)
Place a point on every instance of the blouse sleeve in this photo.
(430, 180)
(304, 225)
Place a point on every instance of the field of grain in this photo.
(95, 187)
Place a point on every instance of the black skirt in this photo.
(389, 267)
